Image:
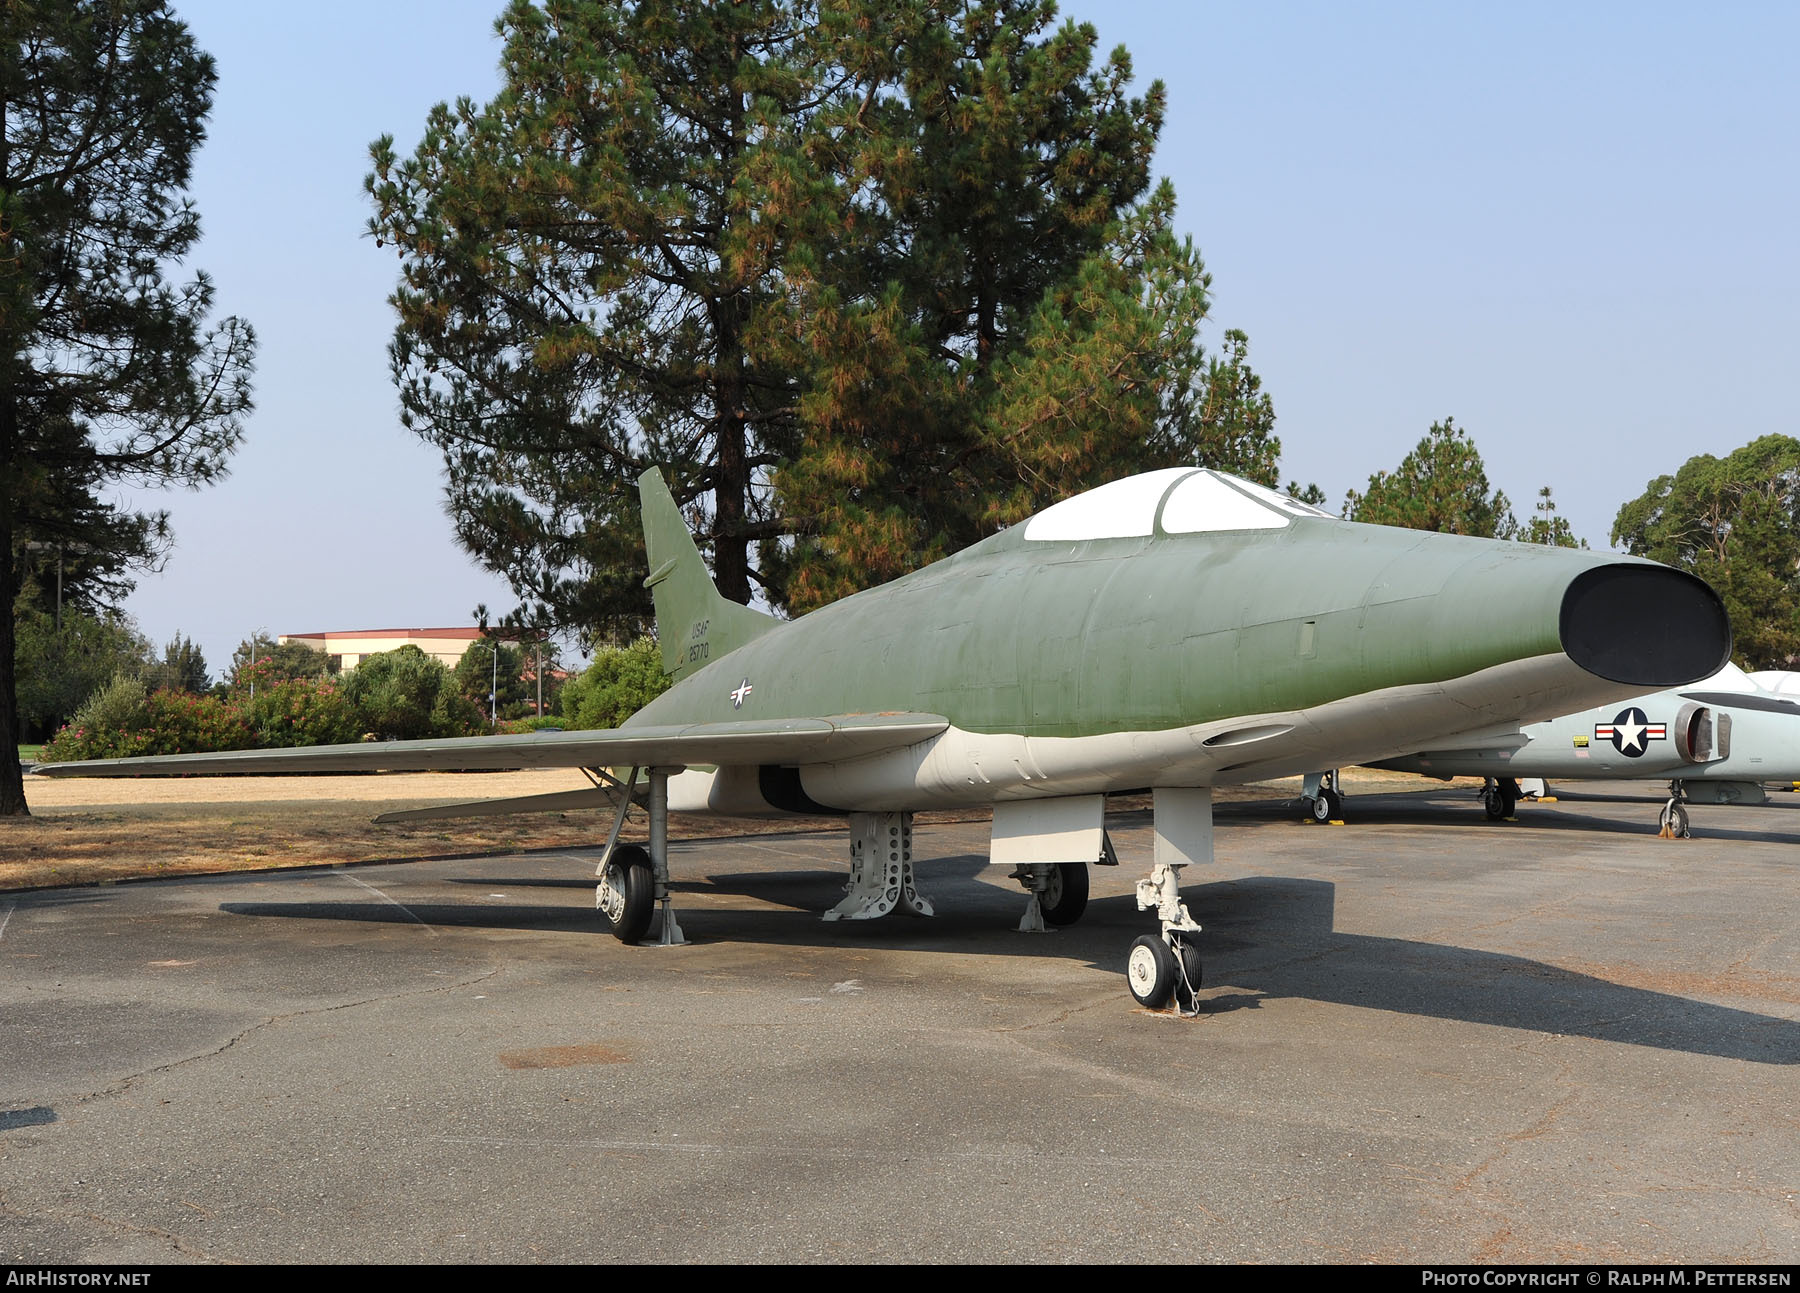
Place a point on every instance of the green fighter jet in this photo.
(1169, 632)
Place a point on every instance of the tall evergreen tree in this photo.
(1546, 527)
(871, 278)
(1735, 522)
(1441, 485)
(588, 263)
(1010, 318)
(107, 371)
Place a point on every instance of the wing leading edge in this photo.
(834, 739)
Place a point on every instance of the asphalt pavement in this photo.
(1424, 1037)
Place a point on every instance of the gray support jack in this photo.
(1036, 877)
(881, 869)
(659, 854)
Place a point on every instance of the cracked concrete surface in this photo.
(1424, 1037)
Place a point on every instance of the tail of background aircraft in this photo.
(693, 622)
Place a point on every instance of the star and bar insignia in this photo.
(1631, 732)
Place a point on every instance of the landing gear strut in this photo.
(634, 880)
(1165, 965)
(1320, 797)
(1059, 894)
(1674, 818)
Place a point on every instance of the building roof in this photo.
(460, 634)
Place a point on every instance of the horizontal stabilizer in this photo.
(556, 801)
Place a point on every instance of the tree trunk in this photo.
(12, 776)
(731, 475)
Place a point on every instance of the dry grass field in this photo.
(93, 831)
(100, 830)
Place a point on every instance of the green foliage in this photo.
(182, 668)
(1735, 522)
(403, 694)
(1441, 485)
(1005, 317)
(620, 681)
(107, 371)
(586, 262)
(869, 278)
(489, 665)
(260, 661)
(59, 669)
(1547, 527)
(301, 711)
(406, 695)
(123, 719)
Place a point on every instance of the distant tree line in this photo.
(285, 695)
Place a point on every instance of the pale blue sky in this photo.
(1573, 227)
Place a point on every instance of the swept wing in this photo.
(797, 741)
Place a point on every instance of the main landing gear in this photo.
(1320, 796)
(1160, 967)
(1059, 894)
(1674, 819)
(1500, 797)
(633, 879)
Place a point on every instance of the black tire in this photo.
(1499, 803)
(1187, 976)
(1150, 972)
(1319, 808)
(1675, 822)
(1066, 897)
(634, 877)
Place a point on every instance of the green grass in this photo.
(29, 753)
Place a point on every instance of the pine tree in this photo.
(589, 263)
(868, 278)
(1441, 485)
(107, 372)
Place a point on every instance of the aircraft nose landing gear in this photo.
(1165, 965)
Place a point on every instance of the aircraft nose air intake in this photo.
(1648, 626)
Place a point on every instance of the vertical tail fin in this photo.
(693, 622)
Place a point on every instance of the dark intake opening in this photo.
(1645, 625)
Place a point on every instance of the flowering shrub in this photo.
(302, 711)
(123, 720)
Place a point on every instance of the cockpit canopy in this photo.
(1176, 500)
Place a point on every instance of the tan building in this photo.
(445, 645)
